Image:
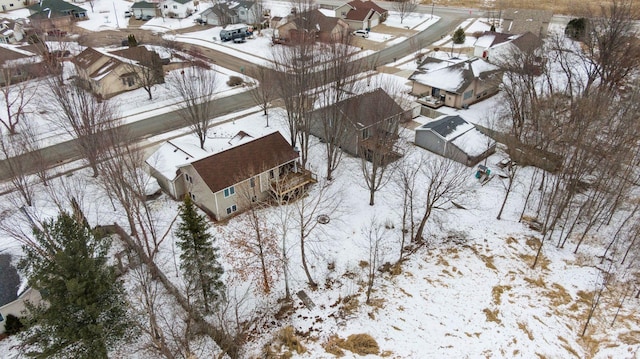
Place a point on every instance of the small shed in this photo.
(455, 138)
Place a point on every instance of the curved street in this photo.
(136, 131)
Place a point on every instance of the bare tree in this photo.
(126, 183)
(336, 74)
(83, 117)
(255, 252)
(264, 94)
(374, 234)
(405, 8)
(195, 86)
(309, 205)
(20, 180)
(295, 65)
(377, 153)
(146, 67)
(445, 181)
(16, 98)
(405, 180)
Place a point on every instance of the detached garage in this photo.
(455, 138)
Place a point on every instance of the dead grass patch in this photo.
(537, 282)
(488, 261)
(442, 261)
(363, 264)
(559, 295)
(446, 272)
(405, 292)
(512, 240)
(567, 347)
(377, 303)
(630, 338)
(584, 297)
(288, 339)
(497, 292)
(532, 242)
(361, 344)
(470, 335)
(396, 328)
(492, 315)
(350, 304)
(543, 262)
(526, 330)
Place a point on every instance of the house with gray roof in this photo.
(519, 21)
(232, 12)
(455, 82)
(368, 117)
(144, 10)
(455, 138)
(361, 15)
(55, 14)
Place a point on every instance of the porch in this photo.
(288, 184)
(430, 101)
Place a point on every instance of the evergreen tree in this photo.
(459, 36)
(84, 309)
(199, 258)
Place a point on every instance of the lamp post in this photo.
(432, 5)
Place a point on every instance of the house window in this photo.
(242, 12)
(188, 178)
(229, 191)
(232, 209)
(175, 7)
(271, 174)
(366, 133)
(467, 95)
(10, 5)
(166, 6)
(193, 196)
(252, 182)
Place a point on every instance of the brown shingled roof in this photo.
(356, 4)
(239, 163)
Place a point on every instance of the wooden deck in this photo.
(289, 183)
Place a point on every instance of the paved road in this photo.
(68, 151)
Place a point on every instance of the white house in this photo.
(8, 5)
(177, 8)
(17, 307)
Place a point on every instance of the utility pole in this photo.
(432, 5)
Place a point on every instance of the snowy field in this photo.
(470, 294)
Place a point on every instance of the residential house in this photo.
(455, 138)
(497, 47)
(49, 15)
(519, 21)
(19, 63)
(11, 31)
(455, 82)
(361, 15)
(8, 5)
(311, 26)
(232, 12)
(177, 8)
(109, 73)
(144, 10)
(368, 117)
(229, 181)
(18, 307)
(166, 160)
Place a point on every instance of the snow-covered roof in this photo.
(460, 133)
(173, 154)
(452, 76)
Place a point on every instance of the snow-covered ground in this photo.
(471, 293)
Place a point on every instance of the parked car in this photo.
(361, 33)
(127, 14)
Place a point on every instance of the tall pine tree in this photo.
(199, 258)
(84, 308)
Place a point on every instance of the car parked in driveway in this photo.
(361, 33)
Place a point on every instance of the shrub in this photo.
(131, 40)
(576, 28)
(13, 324)
(235, 81)
(459, 36)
